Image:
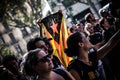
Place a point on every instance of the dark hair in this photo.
(72, 43)
(103, 13)
(37, 39)
(31, 59)
(46, 40)
(72, 29)
(30, 45)
(8, 58)
(88, 17)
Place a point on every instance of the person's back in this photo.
(85, 71)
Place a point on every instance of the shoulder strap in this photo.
(62, 73)
(75, 64)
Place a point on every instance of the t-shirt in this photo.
(86, 72)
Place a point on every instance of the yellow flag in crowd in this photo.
(56, 29)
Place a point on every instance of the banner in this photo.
(56, 29)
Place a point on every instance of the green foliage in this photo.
(5, 50)
(18, 13)
(6, 5)
(15, 12)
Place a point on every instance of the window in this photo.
(13, 40)
(24, 31)
(18, 48)
(33, 29)
(68, 3)
(1, 41)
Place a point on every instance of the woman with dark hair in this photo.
(39, 63)
(83, 67)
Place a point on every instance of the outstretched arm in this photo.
(102, 51)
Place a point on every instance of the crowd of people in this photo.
(93, 45)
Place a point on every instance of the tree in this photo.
(20, 12)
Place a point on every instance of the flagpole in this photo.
(40, 27)
(39, 21)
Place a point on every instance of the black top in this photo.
(86, 72)
(96, 38)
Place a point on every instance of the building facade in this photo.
(74, 11)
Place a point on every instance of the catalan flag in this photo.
(55, 28)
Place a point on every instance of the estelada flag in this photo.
(55, 28)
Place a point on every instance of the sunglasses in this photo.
(45, 59)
